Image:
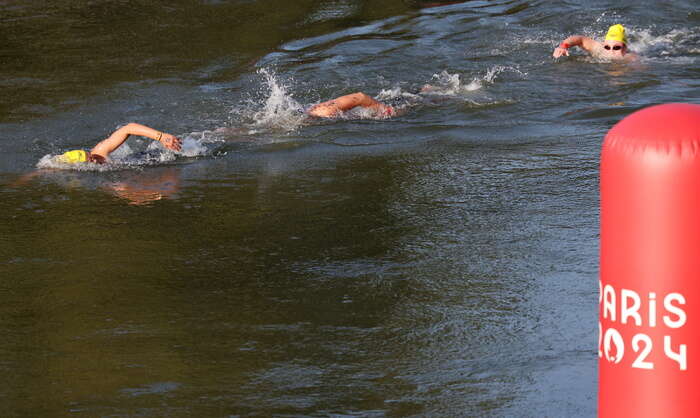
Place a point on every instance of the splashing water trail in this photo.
(445, 83)
(676, 43)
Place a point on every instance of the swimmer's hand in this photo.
(171, 142)
(559, 51)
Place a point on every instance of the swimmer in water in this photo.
(335, 107)
(614, 47)
(101, 151)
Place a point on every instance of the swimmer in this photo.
(101, 151)
(614, 47)
(342, 104)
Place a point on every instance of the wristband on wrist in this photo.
(564, 45)
(160, 135)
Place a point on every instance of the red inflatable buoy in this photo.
(649, 343)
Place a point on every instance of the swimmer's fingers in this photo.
(171, 142)
(176, 144)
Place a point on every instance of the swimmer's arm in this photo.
(588, 44)
(107, 146)
(344, 103)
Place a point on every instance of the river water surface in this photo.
(440, 263)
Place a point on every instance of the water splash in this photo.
(280, 111)
(676, 43)
(394, 93)
(399, 99)
(448, 84)
(197, 144)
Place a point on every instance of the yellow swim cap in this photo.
(616, 33)
(72, 157)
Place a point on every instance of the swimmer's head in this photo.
(616, 40)
(73, 157)
(80, 156)
(616, 33)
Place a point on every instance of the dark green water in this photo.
(441, 263)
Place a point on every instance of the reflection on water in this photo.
(146, 189)
(137, 188)
(442, 262)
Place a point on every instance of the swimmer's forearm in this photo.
(577, 40)
(573, 40)
(167, 140)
